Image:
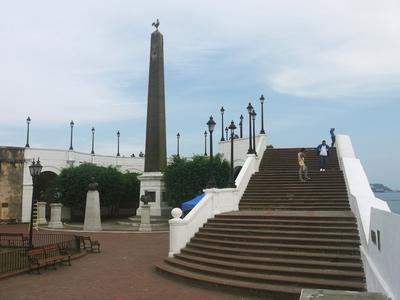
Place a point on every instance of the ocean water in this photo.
(392, 199)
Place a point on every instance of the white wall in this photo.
(385, 259)
(55, 160)
(240, 148)
(382, 267)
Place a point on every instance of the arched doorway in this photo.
(236, 171)
(44, 181)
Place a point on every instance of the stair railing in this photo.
(215, 201)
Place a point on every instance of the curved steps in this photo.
(287, 235)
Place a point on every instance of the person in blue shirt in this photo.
(333, 136)
(323, 152)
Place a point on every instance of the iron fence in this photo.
(13, 258)
(13, 240)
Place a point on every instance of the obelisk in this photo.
(156, 151)
(151, 182)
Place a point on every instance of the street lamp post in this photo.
(28, 122)
(249, 110)
(232, 127)
(93, 130)
(226, 133)
(262, 99)
(211, 181)
(253, 116)
(118, 135)
(241, 126)
(71, 124)
(177, 144)
(222, 110)
(34, 170)
(205, 143)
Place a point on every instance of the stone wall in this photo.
(11, 182)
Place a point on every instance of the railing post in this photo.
(177, 238)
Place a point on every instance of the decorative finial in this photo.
(156, 24)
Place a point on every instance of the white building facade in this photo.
(55, 160)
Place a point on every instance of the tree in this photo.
(115, 188)
(184, 179)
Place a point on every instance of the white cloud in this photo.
(83, 60)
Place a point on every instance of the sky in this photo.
(319, 64)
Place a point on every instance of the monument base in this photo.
(55, 216)
(152, 183)
(42, 213)
(55, 225)
(145, 218)
(92, 213)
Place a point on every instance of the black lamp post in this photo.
(205, 143)
(28, 122)
(34, 169)
(249, 110)
(211, 181)
(118, 135)
(262, 99)
(226, 133)
(177, 144)
(241, 126)
(71, 124)
(232, 127)
(222, 110)
(93, 130)
(253, 116)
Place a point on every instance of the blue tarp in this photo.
(188, 205)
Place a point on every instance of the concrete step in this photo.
(292, 281)
(267, 289)
(280, 233)
(273, 254)
(279, 245)
(285, 227)
(289, 240)
(258, 268)
(284, 222)
(307, 262)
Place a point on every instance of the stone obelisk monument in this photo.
(151, 182)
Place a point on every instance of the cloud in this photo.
(89, 60)
(62, 64)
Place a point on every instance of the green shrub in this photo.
(115, 188)
(184, 179)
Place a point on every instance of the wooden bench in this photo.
(37, 259)
(46, 256)
(54, 252)
(88, 244)
(17, 240)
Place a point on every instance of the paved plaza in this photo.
(123, 270)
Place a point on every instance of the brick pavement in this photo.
(123, 270)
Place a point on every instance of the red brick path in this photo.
(123, 270)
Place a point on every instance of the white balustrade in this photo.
(379, 254)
